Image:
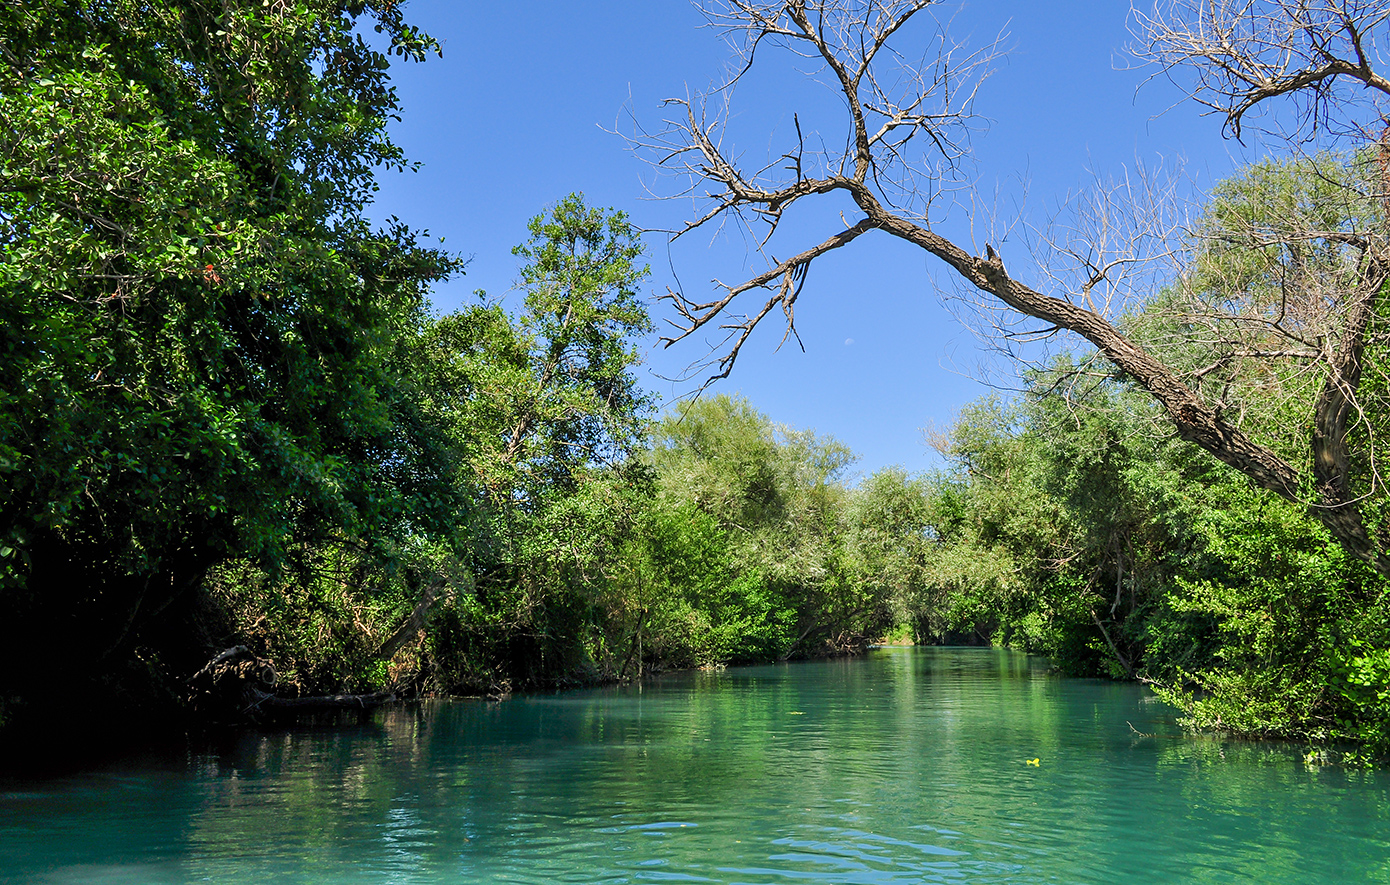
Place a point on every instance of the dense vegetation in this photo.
(229, 417)
(202, 334)
(1136, 556)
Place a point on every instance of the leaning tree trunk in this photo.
(1334, 503)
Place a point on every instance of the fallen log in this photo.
(329, 702)
(237, 686)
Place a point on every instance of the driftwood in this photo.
(238, 686)
(220, 691)
(328, 702)
(844, 643)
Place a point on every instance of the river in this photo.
(906, 766)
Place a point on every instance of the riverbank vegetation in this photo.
(1138, 557)
(229, 417)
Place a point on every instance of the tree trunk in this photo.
(1334, 505)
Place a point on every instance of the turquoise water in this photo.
(907, 766)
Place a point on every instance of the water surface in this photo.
(909, 766)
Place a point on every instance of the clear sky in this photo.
(524, 106)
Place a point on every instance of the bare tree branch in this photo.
(1244, 53)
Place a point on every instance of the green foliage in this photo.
(888, 543)
(579, 326)
(1070, 523)
(1272, 260)
(588, 557)
(544, 412)
(199, 354)
(1298, 628)
(802, 585)
(696, 607)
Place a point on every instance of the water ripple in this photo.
(909, 766)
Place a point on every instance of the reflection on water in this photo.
(908, 766)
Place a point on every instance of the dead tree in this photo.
(907, 115)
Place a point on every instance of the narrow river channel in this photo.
(911, 765)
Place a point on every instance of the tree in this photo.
(1245, 55)
(200, 350)
(776, 492)
(890, 543)
(1063, 528)
(545, 412)
(583, 314)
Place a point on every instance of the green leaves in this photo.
(1070, 522)
(200, 349)
(788, 521)
(543, 414)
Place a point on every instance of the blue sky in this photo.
(522, 110)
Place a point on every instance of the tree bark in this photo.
(412, 625)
